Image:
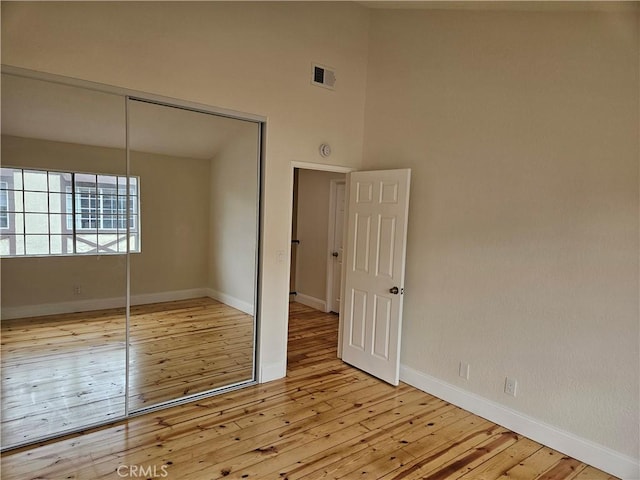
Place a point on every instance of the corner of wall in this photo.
(270, 372)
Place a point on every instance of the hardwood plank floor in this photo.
(325, 420)
(185, 347)
(61, 372)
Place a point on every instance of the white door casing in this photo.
(374, 264)
(336, 239)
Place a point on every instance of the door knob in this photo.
(394, 290)
(335, 254)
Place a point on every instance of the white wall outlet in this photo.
(463, 370)
(281, 256)
(510, 386)
(77, 290)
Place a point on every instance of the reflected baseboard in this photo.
(27, 311)
(119, 302)
(147, 298)
(232, 301)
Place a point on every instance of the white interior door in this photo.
(336, 234)
(375, 252)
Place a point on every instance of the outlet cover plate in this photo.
(510, 386)
(463, 370)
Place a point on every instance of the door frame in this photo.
(333, 188)
(323, 167)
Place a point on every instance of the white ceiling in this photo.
(49, 111)
(180, 132)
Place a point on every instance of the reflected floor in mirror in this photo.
(185, 347)
(61, 372)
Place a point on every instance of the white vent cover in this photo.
(323, 76)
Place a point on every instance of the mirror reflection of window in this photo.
(46, 220)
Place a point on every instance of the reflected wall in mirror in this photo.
(63, 249)
(128, 244)
(199, 219)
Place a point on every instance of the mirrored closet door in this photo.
(63, 243)
(198, 219)
(128, 245)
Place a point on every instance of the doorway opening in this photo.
(317, 221)
(316, 238)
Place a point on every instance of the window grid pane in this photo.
(36, 202)
(60, 181)
(37, 244)
(12, 177)
(35, 181)
(39, 210)
(11, 245)
(36, 223)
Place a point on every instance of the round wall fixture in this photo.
(325, 150)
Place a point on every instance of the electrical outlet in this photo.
(77, 290)
(510, 386)
(463, 370)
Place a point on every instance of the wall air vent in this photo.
(323, 76)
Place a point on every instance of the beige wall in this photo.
(313, 232)
(252, 57)
(174, 213)
(521, 129)
(233, 222)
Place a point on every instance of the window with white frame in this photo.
(46, 212)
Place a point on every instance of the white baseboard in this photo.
(147, 298)
(61, 307)
(312, 302)
(100, 303)
(234, 302)
(579, 448)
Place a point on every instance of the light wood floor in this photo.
(186, 347)
(325, 420)
(62, 372)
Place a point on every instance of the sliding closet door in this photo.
(194, 229)
(128, 248)
(63, 245)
